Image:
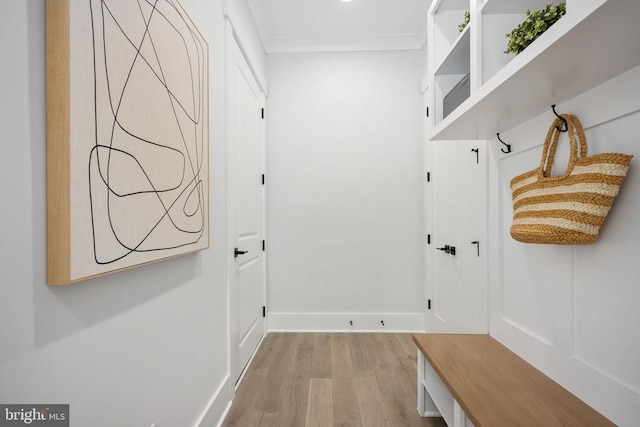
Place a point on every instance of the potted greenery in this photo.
(537, 22)
(467, 18)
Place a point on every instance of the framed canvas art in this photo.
(127, 136)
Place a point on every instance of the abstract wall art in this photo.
(127, 136)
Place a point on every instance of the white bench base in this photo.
(435, 399)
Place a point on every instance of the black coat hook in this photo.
(477, 243)
(560, 128)
(506, 145)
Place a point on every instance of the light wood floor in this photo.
(324, 380)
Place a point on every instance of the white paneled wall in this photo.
(572, 310)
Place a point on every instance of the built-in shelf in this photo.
(582, 50)
(457, 61)
(449, 50)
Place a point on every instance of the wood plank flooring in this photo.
(323, 380)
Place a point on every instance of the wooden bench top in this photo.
(495, 387)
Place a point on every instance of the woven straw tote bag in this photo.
(567, 209)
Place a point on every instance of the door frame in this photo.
(231, 39)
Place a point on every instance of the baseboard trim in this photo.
(246, 368)
(346, 322)
(217, 408)
(224, 414)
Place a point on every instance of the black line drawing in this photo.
(148, 161)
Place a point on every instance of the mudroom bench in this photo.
(473, 380)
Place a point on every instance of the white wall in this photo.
(344, 185)
(572, 310)
(129, 349)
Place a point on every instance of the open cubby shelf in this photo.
(585, 48)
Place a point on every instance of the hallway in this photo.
(325, 379)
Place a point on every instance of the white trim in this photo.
(246, 368)
(231, 353)
(217, 408)
(231, 386)
(229, 202)
(244, 27)
(339, 322)
(224, 415)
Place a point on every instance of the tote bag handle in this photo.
(574, 127)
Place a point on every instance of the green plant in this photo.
(536, 23)
(467, 18)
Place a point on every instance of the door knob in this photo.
(451, 250)
(237, 252)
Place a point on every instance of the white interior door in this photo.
(247, 199)
(445, 280)
(457, 284)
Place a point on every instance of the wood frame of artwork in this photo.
(127, 136)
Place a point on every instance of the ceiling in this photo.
(333, 25)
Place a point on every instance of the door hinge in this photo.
(262, 179)
(263, 114)
(428, 176)
(264, 245)
(264, 311)
(428, 304)
(428, 239)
